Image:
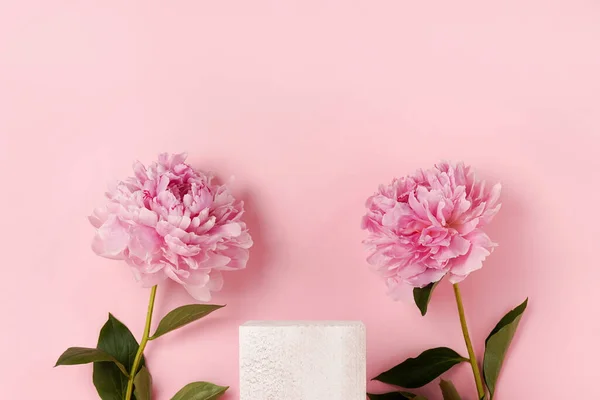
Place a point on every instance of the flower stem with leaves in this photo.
(465, 330)
(115, 376)
(144, 341)
(431, 364)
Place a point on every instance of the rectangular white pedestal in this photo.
(302, 360)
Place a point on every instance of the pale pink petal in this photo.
(427, 277)
(239, 258)
(470, 262)
(148, 279)
(200, 293)
(147, 217)
(230, 230)
(458, 246)
(177, 159)
(197, 278)
(411, 270)
(140, 172)
(144, 243)
(215, 283)
(178, 247)
(178, 275)
(111, 239)
(416, 206)
(466, 227)
(494, 195)
(400, 291)
(217, 260)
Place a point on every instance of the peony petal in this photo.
(397, 216)
(216, 281)
(144, 243)
(427, 277)
(177, 275)
(379, 257)
(228, 230)
(200, 293)
(147, 217)
(185, 222)
(163, 183)
(459, 246)
(163, 228)
(180, 248)
(453, 278)
(399, 290)
(148, 280)
(98, 217)
(494, 195)
(208, 225)
(470, 262)
(480, 238)
(177, 159)
(166, 199)
(466, 227)
(416, 206)
(239, 258)
(440, 212)
(95, 221)
(191, 262)
(216, 260)
(197, 278)
(488, 215)
(411, 270)
(111, 239)
(140, 172)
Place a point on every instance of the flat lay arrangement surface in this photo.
(302, 109)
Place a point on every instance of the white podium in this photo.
(302, 360)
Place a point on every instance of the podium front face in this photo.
(302, 360)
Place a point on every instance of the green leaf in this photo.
(448, 390)
(200, 391)
(182, 316)
(143, 384)
(86, 355)
(115, 339)
(497, 343)
(422, 296)
(416, 372)
(395, 396)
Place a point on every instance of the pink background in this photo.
(311, 104)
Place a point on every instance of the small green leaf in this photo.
(416, 372)
(394, 396)
(448, 390)
(200, 391)
(86, 355)
(143, 384)
(115, 339)
(497, 343)
(422, 296)
(182, 316)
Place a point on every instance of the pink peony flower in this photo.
(428, 225)
(170, 221)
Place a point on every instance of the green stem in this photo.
(140, 353)
(465, 330)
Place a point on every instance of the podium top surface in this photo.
(302, 323)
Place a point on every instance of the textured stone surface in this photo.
(302, 360)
